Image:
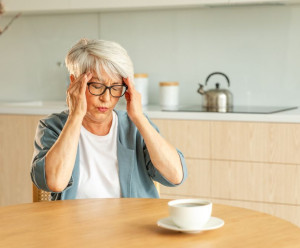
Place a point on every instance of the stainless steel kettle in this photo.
(216, 100)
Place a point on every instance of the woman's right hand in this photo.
(76, 98)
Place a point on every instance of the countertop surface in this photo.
(154, 112)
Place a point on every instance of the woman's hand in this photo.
(76, 98)
(134, 102)
(60, 159)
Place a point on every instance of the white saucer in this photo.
(213, 223)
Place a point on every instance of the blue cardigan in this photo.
(136, 170)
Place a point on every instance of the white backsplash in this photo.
(257, 47)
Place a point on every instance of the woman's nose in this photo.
(106, 96)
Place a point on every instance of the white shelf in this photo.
(271, 2)
(69, 6)
(77, 6)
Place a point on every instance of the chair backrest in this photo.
(41, 195)
(157, 185)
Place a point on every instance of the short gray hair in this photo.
(94, 55)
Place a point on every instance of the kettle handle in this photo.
(217, 73)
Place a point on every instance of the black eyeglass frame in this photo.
(107, 87)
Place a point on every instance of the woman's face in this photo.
(99, 108)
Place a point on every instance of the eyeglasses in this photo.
(98, 89)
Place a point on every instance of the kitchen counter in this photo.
(153, 111)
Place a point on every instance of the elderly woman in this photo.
(92, 150)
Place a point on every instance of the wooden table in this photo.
(132, 223)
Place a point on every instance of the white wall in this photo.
(30, 50)
(257, 47)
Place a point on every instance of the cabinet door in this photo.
(197, 183)
(190, 137)
(290, 213)
(252, 141)
(16, 148)
(260, 182)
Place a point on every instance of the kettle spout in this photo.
(201, 90)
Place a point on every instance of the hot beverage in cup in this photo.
(190, 213)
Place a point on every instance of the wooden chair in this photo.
(157, 185)
(42, 196)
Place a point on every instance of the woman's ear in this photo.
(72, 78)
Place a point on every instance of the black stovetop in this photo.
(235, 109)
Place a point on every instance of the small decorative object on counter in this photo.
(141, 85)
(169, 92)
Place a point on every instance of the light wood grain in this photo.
(245, 161)
(197, 182)
(16, 147)
(290, 213)
(190, 137)
(258, 142)
(256, 182)
(234, 161)
(132, 223)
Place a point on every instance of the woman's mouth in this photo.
(102, 109)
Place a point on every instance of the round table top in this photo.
(133, 223)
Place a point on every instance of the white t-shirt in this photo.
(99, 171)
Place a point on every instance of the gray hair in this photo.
(94, 55)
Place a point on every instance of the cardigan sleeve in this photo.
(48, 131)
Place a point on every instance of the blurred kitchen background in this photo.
(257, 46)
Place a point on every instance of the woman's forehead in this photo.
(104, 79)
(102, 75)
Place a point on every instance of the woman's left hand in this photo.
(134, 101)
(163, 155)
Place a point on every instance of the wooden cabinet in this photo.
(288, 212)
(253, 141)
(271, 183)
(16, 148)
(191, 137)
(248, 164)
(197, 183)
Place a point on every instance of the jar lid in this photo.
(168, 83)
(140, 75)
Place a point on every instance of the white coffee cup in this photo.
(190, 213)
